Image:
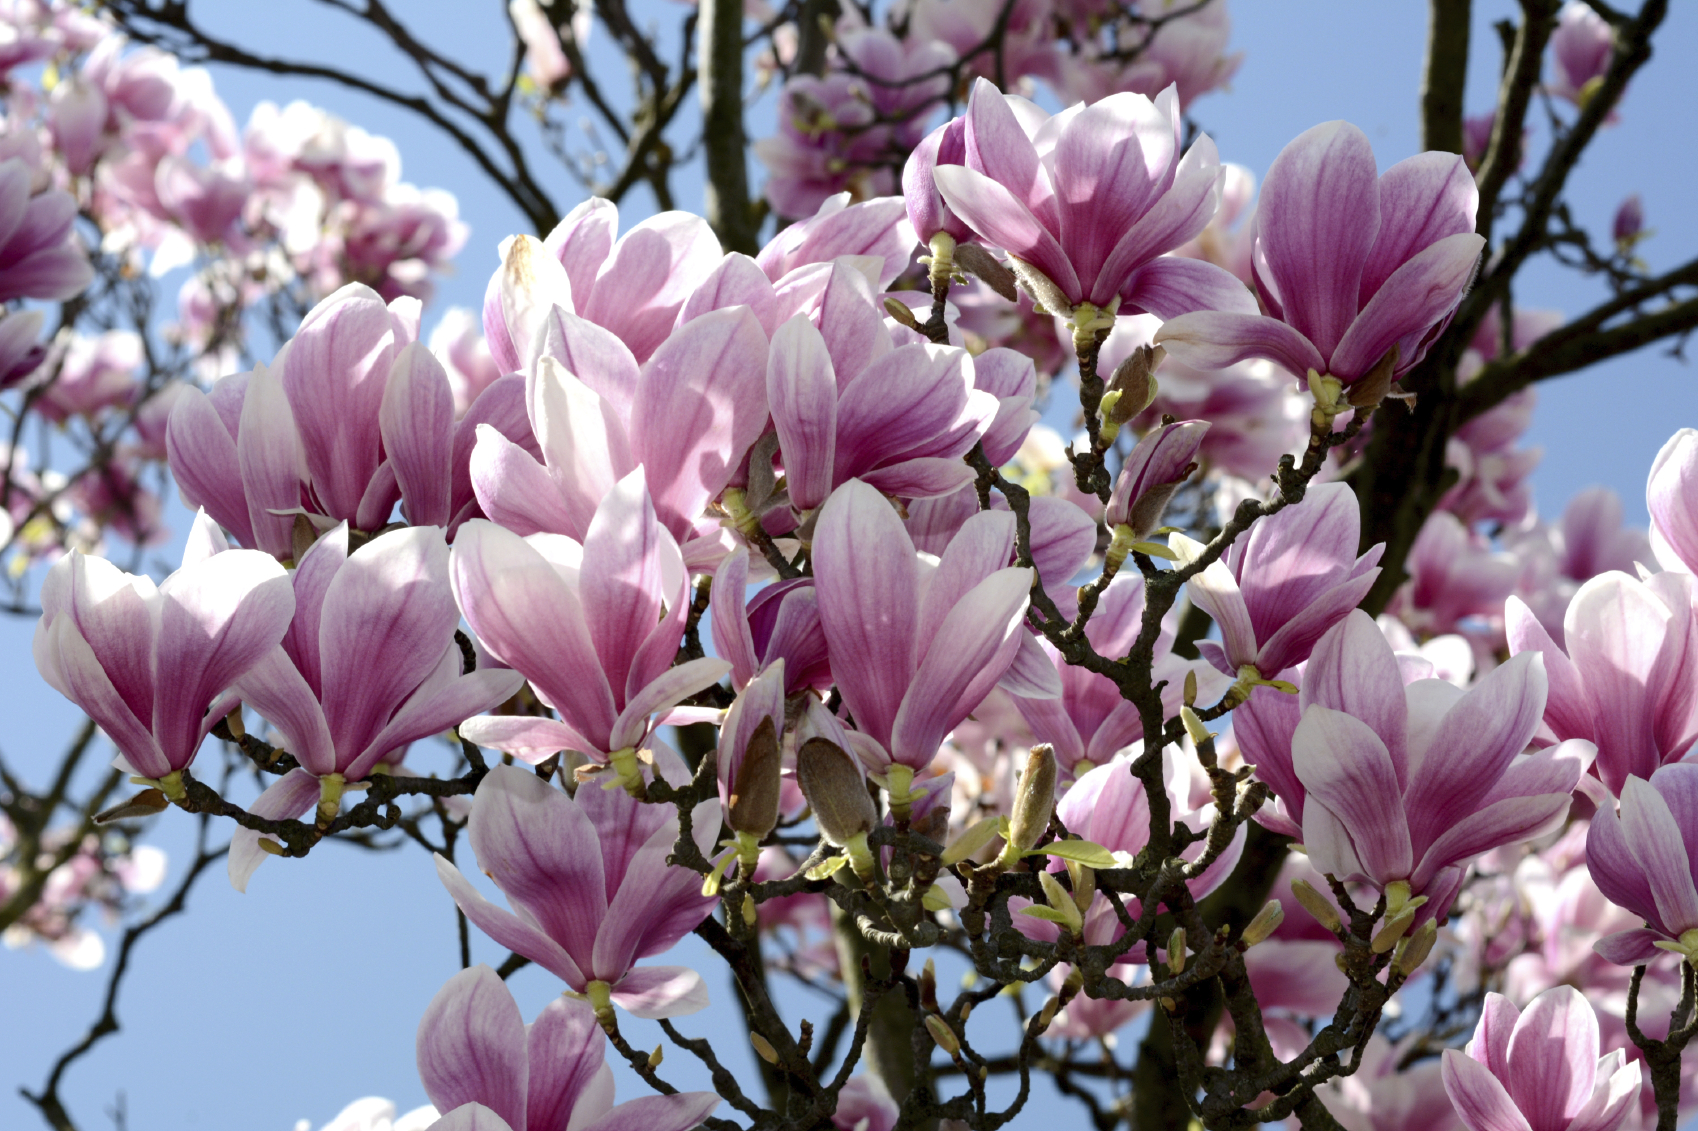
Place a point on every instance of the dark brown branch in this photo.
(720, 87)
(1445, 75)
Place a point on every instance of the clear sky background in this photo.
(256, 1010)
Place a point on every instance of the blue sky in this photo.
(253, 1011)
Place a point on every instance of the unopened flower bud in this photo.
(658, 1055)
(144, 804)
(1190, 697)
(1265, 923)
(943, 1034)
(1176, 951)
(1047, 1014)
(1194, 728)
(928, 986)
(1034, 802)
(1629, 226)
(752, 808)
(1316, 905)
(1415, 949)
(271, 847)
(1131, 390)
(1386, 937)
(836, 790)
(764, 1048)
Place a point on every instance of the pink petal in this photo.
(416, 419)
(517, 492)
(507, 929)
(1480, 1099)
(1346, 767)
(542, 852)
(275, 688)
(273, 463)
(701, 403)
(567, 1051)
(1423, 199)
(801, 386)
(203, 460)
(1316, 221)
(1003, 221)
(1171, 286)
(1218, 340)
(1418, 296)
(869, 603)
(526, 737)
(471, 1046)
(661, 991)
(1654, 837)
(678, 1112)
(284, 799)
(1553, 1056)
(1568, 709)
(1354, 670)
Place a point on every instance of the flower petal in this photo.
(471, 1046)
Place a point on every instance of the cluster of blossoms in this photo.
(92, 871)
(779, 496)
(120, 166)
(851, 128)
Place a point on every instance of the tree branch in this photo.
(1445, 75)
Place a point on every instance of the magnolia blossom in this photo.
(353, 417)
(631, 287)
(916, 646)
(779, 624)
(40, 255)
(1540, 1068)
(687, 417)
(1671, 495)
(1582, 47)
(848, 406)
(1348, 264)
(486, 1070)
(1385, 1095)
(594, 626)
(871, 229)
(1285, 583)
(1625, 681)
(1641, 861)
(369, 665)
(1090, 199)
(1090, 721)
(591, 890)
(154, 665)
(1163, 459)
(1416, 781)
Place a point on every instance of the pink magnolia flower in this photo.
(687, 417)
(1064, 535)
(40, 255)
(927, 212)
(153, 665)
(915, 647)
(872, 228)
(486, 1070)
(632, 287)
(594, 627)
(1163, 459)
(1671, 495)
(591, 890)
(21, 348)
(1090, 721)
(1285, 583)
(1348, 264)
(1092, 198)
(353, 416)
(1581, 49)
(1628, 226)
(1625, 680)
(864, 1105)
(1416, 781)
(1189, 53)
(1640, 861)
(1590, 540)
(848, 406)
(779, 624)
(368, 667)
(1540, 1068)
(545, 58)
(1383, 1095)
(95, 373)
(459, 345)
(1455, 576)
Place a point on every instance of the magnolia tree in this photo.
(721, 578)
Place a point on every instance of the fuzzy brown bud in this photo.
(752, 808)
(836, 789)
(1034, 799)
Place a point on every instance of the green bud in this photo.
(836, 790)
